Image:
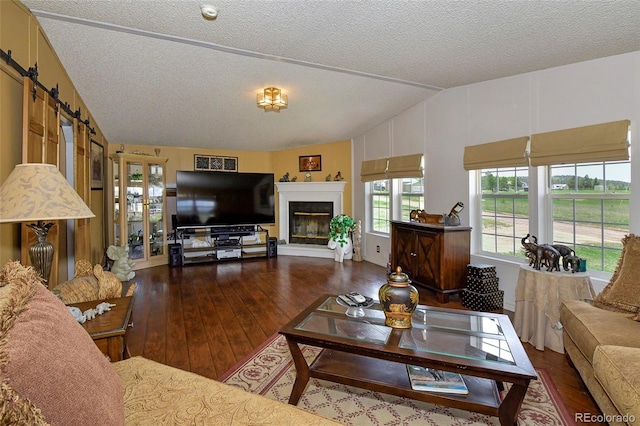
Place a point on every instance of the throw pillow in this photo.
(623, 291)
(51, 371)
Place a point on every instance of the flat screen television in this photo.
(222, 198)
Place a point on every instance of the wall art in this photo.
(97, 165)
(310, 163)
(215, 163)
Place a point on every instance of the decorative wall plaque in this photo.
(215, 163)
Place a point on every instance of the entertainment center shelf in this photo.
(215, 243)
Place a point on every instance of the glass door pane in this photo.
(135, 205)
(155, 188)
(117, 205)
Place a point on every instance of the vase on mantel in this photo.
(399, 299)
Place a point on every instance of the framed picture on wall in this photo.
(97, 165)
(310, 163)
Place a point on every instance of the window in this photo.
(584, 204)
(411, 195)
(409, 192)
(505, 209)
(380, 206)
(395, 187)
(590, 210)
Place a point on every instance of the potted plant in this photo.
(340, 227)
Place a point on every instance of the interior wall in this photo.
(181, 158)
(11, 19)
(11, 145)
(336, 156)
(592, 92)
(21, 34)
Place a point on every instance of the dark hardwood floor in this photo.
(205, 318)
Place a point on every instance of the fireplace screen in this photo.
(309, 222)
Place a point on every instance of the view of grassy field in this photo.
(594, 227)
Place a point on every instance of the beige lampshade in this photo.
(35, 191)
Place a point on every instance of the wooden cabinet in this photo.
(434, 256)
(140, 208)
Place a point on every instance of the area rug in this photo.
(269, 371)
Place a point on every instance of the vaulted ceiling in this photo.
(158, 73)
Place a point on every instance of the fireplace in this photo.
(309, 222)
(305, 233)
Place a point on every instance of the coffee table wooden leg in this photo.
(302, 372)
(511, 404)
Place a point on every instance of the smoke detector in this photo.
(209, 12)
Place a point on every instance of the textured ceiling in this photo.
(158, 73)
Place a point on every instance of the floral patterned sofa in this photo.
(51, 373)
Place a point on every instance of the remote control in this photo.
(357, 297)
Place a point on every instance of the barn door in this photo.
(40, 140)
(82, 180)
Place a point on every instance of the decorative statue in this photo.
(285, 178)
(122, 264)
(424, 217)
(541, 254)
(338, 177)
(357, 243)
(551, 256)
(328, 178)
(340, 228)
(453, 218)
(91, 283)
(566, 253)
(574, 261)
(90, 314)
(100, 309)
(342, 251)
(294, 179)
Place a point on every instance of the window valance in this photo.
(505, 153)
(599, 142)
(406, 166)
(374, 170)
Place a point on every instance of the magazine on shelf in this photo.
(429, 379)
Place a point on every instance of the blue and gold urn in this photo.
(398, 299)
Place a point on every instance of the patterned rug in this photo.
(269, 371)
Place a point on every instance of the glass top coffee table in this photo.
(365, 353)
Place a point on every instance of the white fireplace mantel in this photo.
(330, 191)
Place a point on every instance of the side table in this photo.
(539, 296)
(108, 330)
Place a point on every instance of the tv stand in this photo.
(217, 243)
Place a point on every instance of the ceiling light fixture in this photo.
(272, 99)
(209, 12)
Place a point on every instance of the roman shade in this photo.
(599, 142)
(406, 166)
(505, 153)
(374, 170)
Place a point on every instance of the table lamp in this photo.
(36, 192)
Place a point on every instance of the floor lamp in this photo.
(36, 192)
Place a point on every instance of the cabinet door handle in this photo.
(413, 254)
